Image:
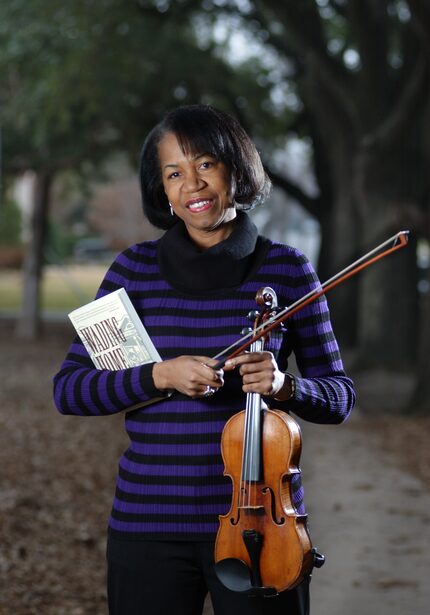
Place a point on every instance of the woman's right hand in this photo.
(188, 374)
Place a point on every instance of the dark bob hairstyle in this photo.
(201, 129)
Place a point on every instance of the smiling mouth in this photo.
(198, 206)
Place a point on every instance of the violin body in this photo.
(262, 510)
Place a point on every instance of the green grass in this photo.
(63, 289)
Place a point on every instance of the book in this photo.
(112, 332)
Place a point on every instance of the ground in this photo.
(366, 490)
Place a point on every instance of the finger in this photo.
(205, 391)
(257, 386)
(256, 377)
(256, 368)
(212, 374)
(247, 358)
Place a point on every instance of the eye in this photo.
(207, 164)
(173, 175)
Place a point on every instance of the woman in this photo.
(193, 289)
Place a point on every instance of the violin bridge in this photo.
(258, 509)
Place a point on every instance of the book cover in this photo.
(113, 333)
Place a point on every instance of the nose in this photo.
(193, 181)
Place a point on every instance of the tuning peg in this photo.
(253, 314)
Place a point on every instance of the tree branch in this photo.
(302, 23)
(421, 20)
(369, 26)
(338, 7)
(387, 131)
(311, 204)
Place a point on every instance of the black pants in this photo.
(173, 578)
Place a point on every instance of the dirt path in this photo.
(372, 521)
(368, 514)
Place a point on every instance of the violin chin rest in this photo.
(234, 574)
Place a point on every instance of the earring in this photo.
(172, 213)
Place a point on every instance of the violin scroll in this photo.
(267, 297)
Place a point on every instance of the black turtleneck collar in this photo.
(228, 264)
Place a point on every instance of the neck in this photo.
(205, 239)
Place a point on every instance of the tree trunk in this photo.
(420, 401)
(389, 311)
(388, 191)
(333, 137)
(29, 322)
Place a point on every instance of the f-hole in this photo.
(281, 521)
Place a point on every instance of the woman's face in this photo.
(199, 188)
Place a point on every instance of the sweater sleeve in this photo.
(81, 389)
(324, 393)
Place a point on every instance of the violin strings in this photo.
(245, 454)
(255, 443)
(250, 440)
(253, 435)
(250, 452)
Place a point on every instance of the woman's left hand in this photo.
(260, 373)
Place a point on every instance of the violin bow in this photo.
(396, 242)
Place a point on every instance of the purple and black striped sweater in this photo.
(170, 483)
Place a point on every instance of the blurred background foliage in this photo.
(334, 92)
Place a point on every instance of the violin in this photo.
(263, 546)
